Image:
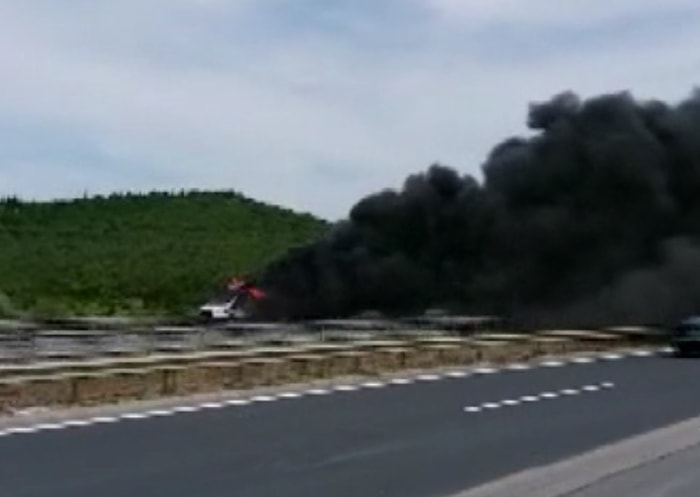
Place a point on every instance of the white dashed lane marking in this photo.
(486, 370)
(263, 398)
(373, 384)
(457, 374)
(429, 377)
(570, 391)
(77, 423)
(112, 419)
(519, 367)
(283, 395)
(612, 357)
(346, 388)
(154, 413)
(185, 409)
(319, 391)
(552, 364)
(50, 426)
(539, 397)
(138, 415)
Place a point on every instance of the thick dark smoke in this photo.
(593, 220)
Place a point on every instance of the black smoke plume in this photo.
(594, 219)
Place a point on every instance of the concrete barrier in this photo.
(30, 391)
(490, 351)
(224, 375)
(124, 379)
(113, 386)
(260, 372)
(305, 367)
(345, 363)
(544, 345)
(448, 354)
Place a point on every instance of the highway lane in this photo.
(674, 476)
(412, 440)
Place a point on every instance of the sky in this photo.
(309, 104)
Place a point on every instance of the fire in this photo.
(237, 284)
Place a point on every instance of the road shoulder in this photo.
(565, 477)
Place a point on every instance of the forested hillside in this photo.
(157, 252)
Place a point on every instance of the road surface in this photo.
(426, 438)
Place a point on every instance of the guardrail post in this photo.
(32, 345)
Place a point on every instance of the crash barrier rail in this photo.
(22, 342)
(25, 343)
(100, 381)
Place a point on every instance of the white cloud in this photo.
(202, 95)
(550, 12)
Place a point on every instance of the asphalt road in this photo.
(673, 476)
(413, 440)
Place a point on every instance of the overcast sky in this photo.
(306, 103)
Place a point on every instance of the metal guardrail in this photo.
(22, 342)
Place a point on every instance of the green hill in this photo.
(132, 253)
